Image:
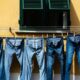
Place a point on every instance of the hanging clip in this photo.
(12, 34)
(53, 35)
(47, 36)
(74, 34)
(42, 36)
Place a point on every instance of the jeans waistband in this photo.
(72, 35)
(38, 42)
(14, 41)
(34, 39)
(54, 41)
(73, 38)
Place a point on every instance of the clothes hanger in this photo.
(10, 29)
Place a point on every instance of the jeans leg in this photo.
(8, 60)
(19, 53)
(69, 56)
(60, 57)
(50, 62)
(41, 62)
(2, 77)
(27, 63)
(59, 52)
(20, 56)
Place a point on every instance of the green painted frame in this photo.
(68, 2)
(21, 21)
(32, 7)
(21, 16)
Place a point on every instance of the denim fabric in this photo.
(2, 76)
(34, 46)
(54, 47)
(13, 46)
(73, 44)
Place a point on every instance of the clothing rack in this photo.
(62, 33)
(41, 32)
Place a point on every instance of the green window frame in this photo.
(52, 5)
(59, 4)
(37, 5)
(32, 4)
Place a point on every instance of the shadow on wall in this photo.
(15, 66)
(76, 66)
(74, 16)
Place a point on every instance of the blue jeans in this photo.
(13, 46)
(73, 44)
(2, 76)
(54, 46)
(34, 46)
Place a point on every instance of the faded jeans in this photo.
(73, 44)
(13, 46)
(34, 46)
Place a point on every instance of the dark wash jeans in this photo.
(73, 44)
(2, 75)
(13, 46)
(34, 46)
(54, 47)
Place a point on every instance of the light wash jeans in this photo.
(34, 46)
(13, 46)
